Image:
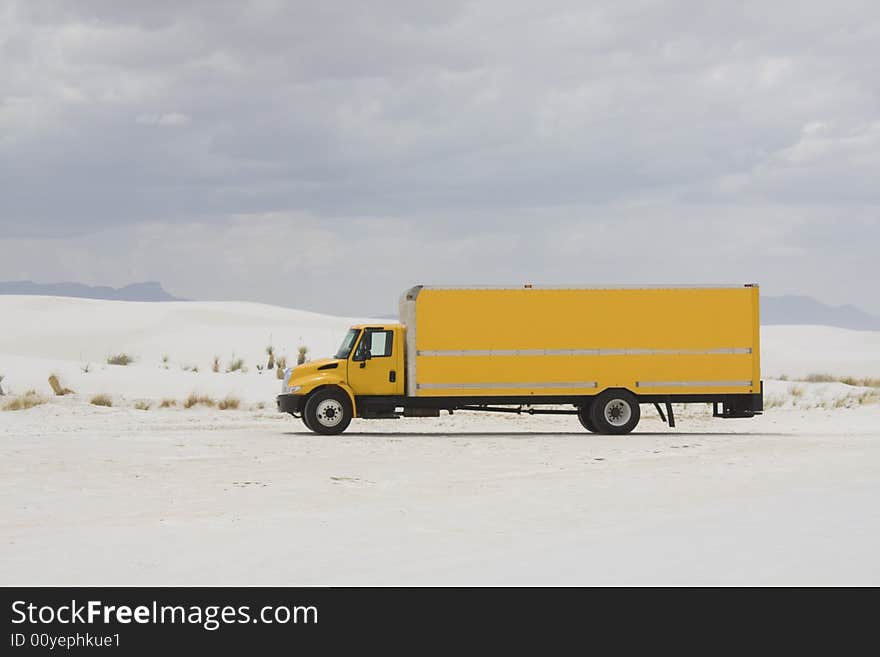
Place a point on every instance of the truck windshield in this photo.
(347, 343)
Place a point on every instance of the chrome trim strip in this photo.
(693, 384)
(527, 384)
(584, 352)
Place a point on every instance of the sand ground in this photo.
(120, 496)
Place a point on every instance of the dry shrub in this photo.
(866, 382)
(101, 400)
(215, 364)
(773, 401)
(270, 351)
(23, 402)
(236, 365)
(302, 355)
(142, 405)
(119, 359)
(57, 388)
(229, 403)
(198, 400)
(167, 403)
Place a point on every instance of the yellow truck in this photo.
(595, 352)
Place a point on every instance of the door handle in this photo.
(392, 376)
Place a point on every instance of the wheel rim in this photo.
(329, 413)
(618, 412)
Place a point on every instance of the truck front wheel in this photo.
(327, 412)
(615, 412)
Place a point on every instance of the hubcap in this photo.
(329, 412)
(617, 412)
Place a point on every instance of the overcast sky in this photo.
(327, 155)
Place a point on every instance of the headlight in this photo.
(293, 389)
(284, 387)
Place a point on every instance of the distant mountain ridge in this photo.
(793, 309)
(147, 291)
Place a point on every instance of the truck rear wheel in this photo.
(327, 412)
(615, 412)
(584, 416)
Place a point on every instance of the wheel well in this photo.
(616, 389)
(335, 388)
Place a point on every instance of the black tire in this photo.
(584, 417)
(615, 411)
(327, 412)
(305, 419)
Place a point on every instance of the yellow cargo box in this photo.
(571, 341)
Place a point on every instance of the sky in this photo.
(328, 155)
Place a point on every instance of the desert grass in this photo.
(168, 403)
(215, 364)
(198, 400)
(142, 405)
(1, 385)
(190, 368)
(119, 359)
(23, 402)
(302, 355)
(86, 368)
(774, 401)
(270, 352)
(229, 403)
(867, 382)
(236, 365)
(852, 400)
(864, 382)
(57, 388)
(281, 365)
(101, 400)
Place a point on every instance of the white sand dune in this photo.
(45, 335)
(804, 350)
(93, 495)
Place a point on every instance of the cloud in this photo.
(166, 119)
(478, 128)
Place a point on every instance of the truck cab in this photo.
(369, 362)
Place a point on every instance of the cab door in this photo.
(376, 366)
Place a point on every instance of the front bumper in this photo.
(290, 403)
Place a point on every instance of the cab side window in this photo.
(378, 343)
